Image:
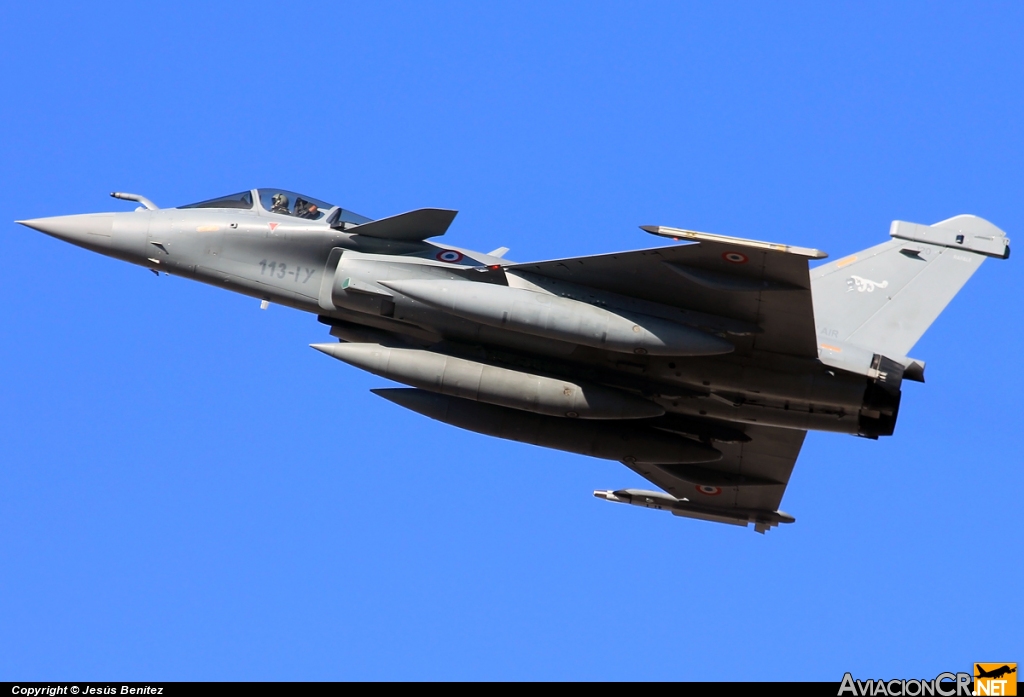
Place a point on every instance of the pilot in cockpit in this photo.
(280, 204)
(306, 209)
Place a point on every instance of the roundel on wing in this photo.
(709, 490)
(735, 257)
(450, 256)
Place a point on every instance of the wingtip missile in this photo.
(762, 520)
(679, 235)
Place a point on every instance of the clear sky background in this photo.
(187, 491)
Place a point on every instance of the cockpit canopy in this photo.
(283, 202)
(293, 204)
(241, 201)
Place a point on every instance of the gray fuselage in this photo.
(289, 261)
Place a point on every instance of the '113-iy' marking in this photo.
(300, 274)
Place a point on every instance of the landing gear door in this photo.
(327, 282)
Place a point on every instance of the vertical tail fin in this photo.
(885, 297)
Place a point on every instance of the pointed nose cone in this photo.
(324, 348)
(340, 350)
(89, 230)
(366, 356)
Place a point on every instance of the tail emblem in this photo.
(863, 285)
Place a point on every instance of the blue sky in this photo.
(187, 491)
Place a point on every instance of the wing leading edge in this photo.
(757, 282)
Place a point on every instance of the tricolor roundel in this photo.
(709, 490)
(450, 256)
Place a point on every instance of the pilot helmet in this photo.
(280, 200)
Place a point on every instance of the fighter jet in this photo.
(995, 672)
(700, 365)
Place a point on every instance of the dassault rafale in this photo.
(700, 365)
